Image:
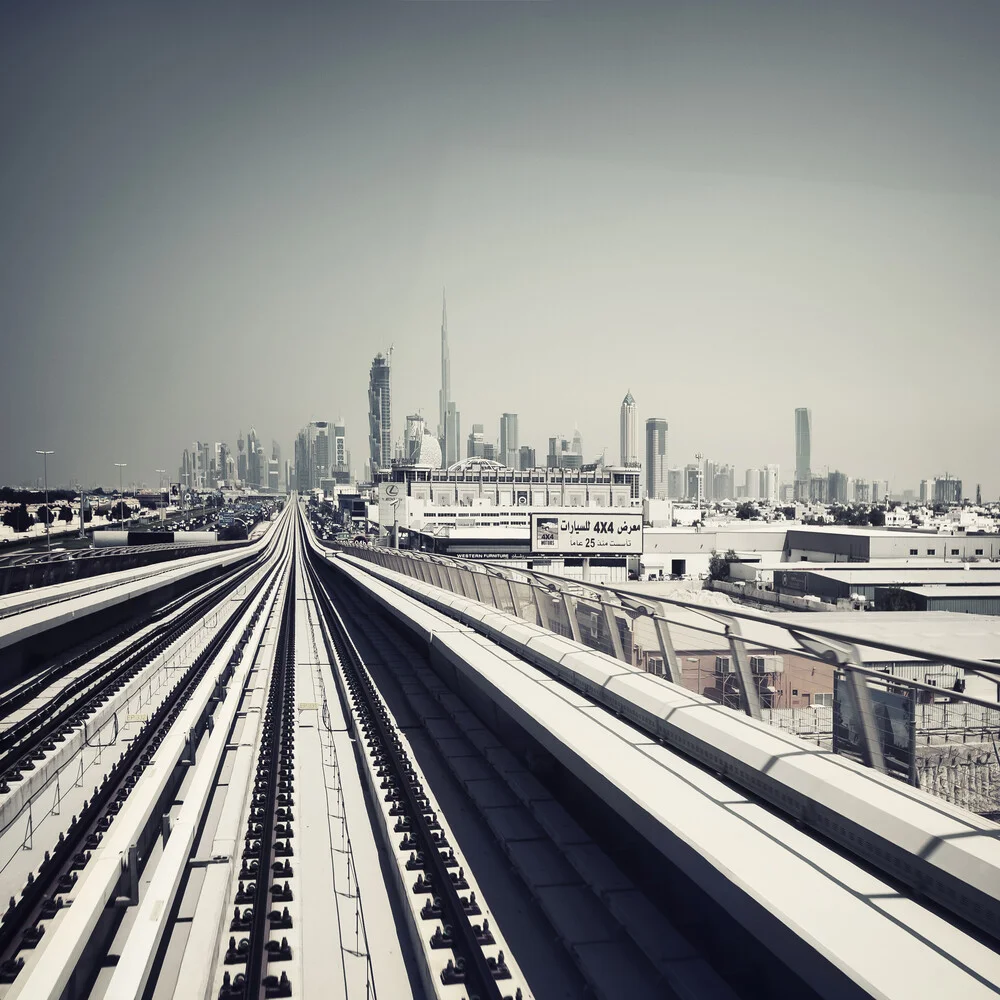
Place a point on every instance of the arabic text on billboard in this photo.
(591, 534)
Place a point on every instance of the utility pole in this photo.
(121, 496)
(48, 511)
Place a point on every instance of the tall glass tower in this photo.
(656, 458)
(379, 414)
(629, 432)
(803, 448)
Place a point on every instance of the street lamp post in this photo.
(48, 512)
(121, 496)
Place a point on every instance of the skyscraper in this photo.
(772, 484)
(452, 435)
(526, 457)
(449, 421)
(319, 452)
(379, 414)
(508, 441)
(754, 487)
(415, 429)
(475, 446)
(803, 448)
(339, 463)
(629, 432)
(656, 458)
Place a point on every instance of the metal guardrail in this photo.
(637, 629)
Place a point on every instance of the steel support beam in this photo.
(479, 581)
(611, 620)
(541, 598)
(749, 700)
(574, 626)
(846, 656)
(497, 603)
(670, 664)
(515, 603)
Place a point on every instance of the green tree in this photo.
(121, 511)
(747, 510)
(43, 515)
(718, 566)
(66, 514)
(895, 599)
(877, 517)
(18, 518)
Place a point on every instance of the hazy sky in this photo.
(213, 215)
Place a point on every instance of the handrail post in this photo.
(541, 605)
(611, 620)
(670, 664)
(574, 626)
(749, 700)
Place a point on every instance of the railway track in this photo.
(65, 864)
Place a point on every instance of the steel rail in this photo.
(72, 852)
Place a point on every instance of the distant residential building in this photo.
(818, 489)
(508, 450)
(656, 458)
(693, 482)
(803, 452)
(836, 487)
(947, 490)
(476, 441)
(526, 457)
(880, 490)
(415, 427)
(709, 469)
(629, 432)
(754, 484)
(675, 484)
(380, 413)
(926, 491)
(340, 461)
(453, 434)
(772, 484)
(723, 483)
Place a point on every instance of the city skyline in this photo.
(732, 239)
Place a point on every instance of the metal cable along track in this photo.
(422, 835)
(40, 898)
(268, 842)
(27, 740)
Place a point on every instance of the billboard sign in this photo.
(895, 722)
(587, 533)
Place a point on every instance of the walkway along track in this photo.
(23, 925)
(431, 856)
